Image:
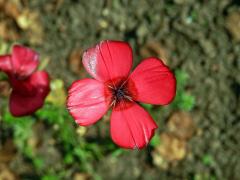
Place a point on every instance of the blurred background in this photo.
(198, 134)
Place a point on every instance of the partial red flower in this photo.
(29, 87)
(113, 86)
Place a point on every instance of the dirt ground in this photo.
(201, 38)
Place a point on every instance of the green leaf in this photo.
(68, 159)
(38, 163)
(117, 152)
(147, 106)
(182, 101)
(50, 177)
(22, 121)
(80, 153)
(187, 102)
(207, 159)
(3, 76)
(155, 140)
(181, 77)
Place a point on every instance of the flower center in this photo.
(121, 92)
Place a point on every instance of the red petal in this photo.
(5, 63)
(37, 85)
(24, 60)
(154, 82)
(132, 127)
(86, 101)
(108, 60)
(41, 81)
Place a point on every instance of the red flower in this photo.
(109, 63)
(29, 87)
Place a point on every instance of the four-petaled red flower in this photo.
(29, 87)
(109, 63)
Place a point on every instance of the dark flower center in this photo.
(120, 93)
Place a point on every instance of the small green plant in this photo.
(155, 140)
(183, 100)
(22, 130)
(74, 148)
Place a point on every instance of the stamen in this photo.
(113, 103)
(128, 97)
(110, 87)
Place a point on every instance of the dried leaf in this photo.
(159, 161)
(75, 63)
(30, 21)
(10, 8)
(7, 32)
(233, 24)
(171, 147)
(153, 48)
(7, 152)
(181, 125)
(81, 176)
(6, 174)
